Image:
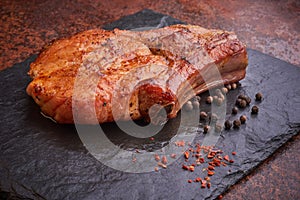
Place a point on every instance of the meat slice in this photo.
(100, 76)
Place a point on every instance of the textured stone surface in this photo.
(269, 26)
(27, 26)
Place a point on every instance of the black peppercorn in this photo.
(238, 102)
(248, 100)
(188, 106)
(218, 128)
(218, 92)
(254, 110)
(233, 86)
(236, 123)
(234, 110)
(219, 101)
(228, 86)
(245, 97)
(221, 96)
(243, 119)
(258, 97)
(197, 98)
(203, 115)
(213, 118)
(196, 104)
(224, 90)
(242, 96)
(243, 103)
(227, 125)
(215, 98)
(209, 99)
(206, 129)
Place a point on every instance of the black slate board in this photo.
(43, 160)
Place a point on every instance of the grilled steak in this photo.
(104, 76)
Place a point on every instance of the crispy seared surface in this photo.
(104, 76)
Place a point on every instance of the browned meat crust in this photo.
(163, 66)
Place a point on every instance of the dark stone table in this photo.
(271, 27)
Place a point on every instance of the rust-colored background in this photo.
(272, 27)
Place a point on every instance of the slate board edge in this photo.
(243, 174)
(160, 21)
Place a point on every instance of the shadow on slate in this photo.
(43, 160)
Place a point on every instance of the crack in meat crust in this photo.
(166, 63)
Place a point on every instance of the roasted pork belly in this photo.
(121, 75)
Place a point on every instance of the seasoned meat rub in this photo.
(104, 76)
